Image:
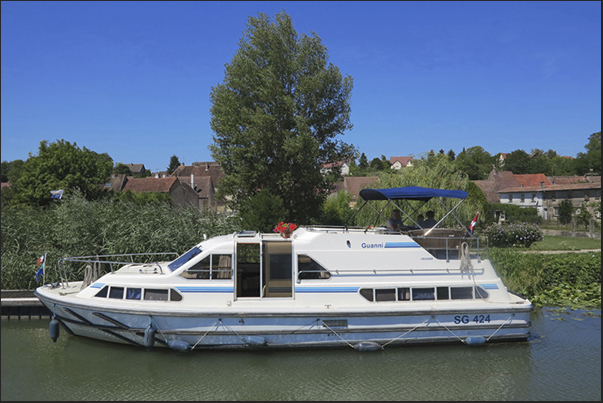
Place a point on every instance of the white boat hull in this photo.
(291, 329)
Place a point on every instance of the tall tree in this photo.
(62, 165)
(174, 163)
(517, 162)
(590, 161)
(475, 162)
(276, 118)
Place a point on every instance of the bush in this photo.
(77, 227)
(513, 235)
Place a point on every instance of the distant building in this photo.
(328, 167)
(543, 193)
(182, 194)
(401, 162)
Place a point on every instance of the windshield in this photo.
(185, 257)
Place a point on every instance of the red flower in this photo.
(282, 226)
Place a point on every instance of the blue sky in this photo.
(133, 79)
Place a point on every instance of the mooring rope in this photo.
(202, 337)
(500, 327)
(404, 334)
(444, 326)
(335, 333)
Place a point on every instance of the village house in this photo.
(204, 178)
(182, 194)
(543, 193)
(401, 162)
(342, 165)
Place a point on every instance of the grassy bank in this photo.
(565, 243)
(565, 279)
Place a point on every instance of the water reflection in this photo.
(562, 362)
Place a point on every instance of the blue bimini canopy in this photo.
(410, 193)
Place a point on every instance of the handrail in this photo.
(95, 259)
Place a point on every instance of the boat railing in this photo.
(97, 265)
(450, 244)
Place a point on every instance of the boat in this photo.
(323, 287)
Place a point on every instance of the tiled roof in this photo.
(490, 190)
(529, 180)
(150, 184)
(354, 184)
(403, 160)
(212, 170)
(550, 188)
(560, 180)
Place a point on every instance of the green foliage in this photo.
(475, 162)
(566, 211)
(122, 169)
(557, 279)
(61, 165)
(520, 235)
(77, 227)
(262, 212)
(434, 172)
(11, 171)
(363, 162)
(276, 118)
(336, 210)
(584, 217)
(590, 161)
(517, 162)
(143, 197)
(174, 163)
(515, 214)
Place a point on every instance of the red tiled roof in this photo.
(529, 180)
(403, 160)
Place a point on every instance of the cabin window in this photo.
(215, 266)
(461, 292)
(103, 292)
(155, 295)
(404, 294)
(116, 292)
(175, 295)
(133, 293)
(385, 295)
(309, 268)
(422, 294)
(481, 293)
(185, 257)
(443, 293)
(367, 293)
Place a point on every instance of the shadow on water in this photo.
(560, 362)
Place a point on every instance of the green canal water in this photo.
(561, 362)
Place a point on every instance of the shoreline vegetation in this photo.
(77, 227)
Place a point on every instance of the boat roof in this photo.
(410, 193)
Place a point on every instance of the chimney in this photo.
(541, 184)
(192, 181)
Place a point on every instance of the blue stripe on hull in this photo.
(402, 245)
